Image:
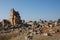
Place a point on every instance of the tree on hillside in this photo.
(58, 21)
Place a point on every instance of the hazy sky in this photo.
(31, 9)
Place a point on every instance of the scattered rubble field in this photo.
(15, 36)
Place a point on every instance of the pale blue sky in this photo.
(31, 9)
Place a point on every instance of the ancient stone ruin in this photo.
(14, 17)
(28, 29)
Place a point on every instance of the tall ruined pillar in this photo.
(11, 17)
